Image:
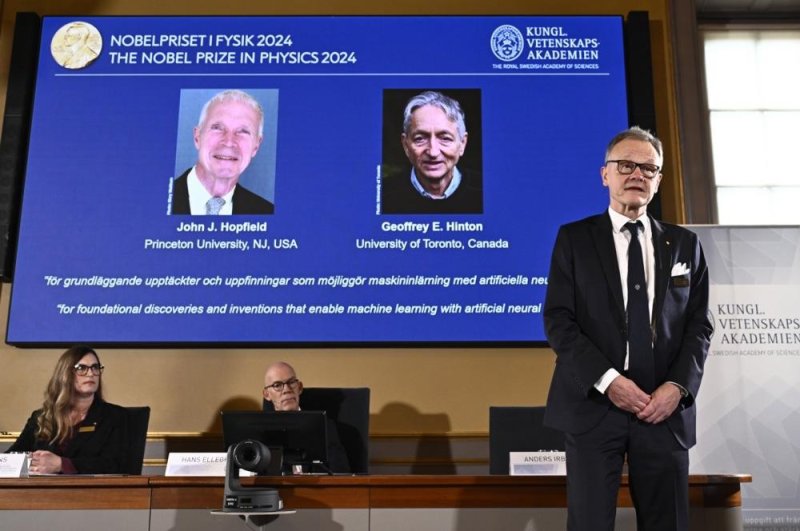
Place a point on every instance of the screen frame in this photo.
(644, 108)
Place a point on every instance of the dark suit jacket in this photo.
(585, 322)
(398, 196)
(244, 201)
(98, 446)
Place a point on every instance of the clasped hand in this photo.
(44, 462)
(651, 408)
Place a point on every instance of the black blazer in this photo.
(99, 445)
(585, 322)
(244, 201)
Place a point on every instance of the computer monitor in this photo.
(301, 435)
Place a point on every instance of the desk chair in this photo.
(518, 429)
(348, 407)
(138, 421)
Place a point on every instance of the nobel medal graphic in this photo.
(76, 45)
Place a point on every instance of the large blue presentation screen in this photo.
(335, 232)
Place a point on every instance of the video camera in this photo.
(253, 456)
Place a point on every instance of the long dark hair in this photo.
(54, 423)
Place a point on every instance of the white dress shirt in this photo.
(199, 196)
(622, 240)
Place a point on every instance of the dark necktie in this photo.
(640, 335)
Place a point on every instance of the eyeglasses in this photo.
(626, 167)
(278, 386)
(82, 370)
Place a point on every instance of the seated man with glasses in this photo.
(75, 431)
(282, 388)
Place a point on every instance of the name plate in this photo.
(14, 465)
(537, 463)
(196, 464)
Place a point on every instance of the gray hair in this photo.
(238, 96)
(448, 105)
(636, 133)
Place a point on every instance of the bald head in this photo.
(281, 387)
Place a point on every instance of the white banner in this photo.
(749, 401)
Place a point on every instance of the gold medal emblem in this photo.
(75, 45)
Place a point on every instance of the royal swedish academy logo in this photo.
(507, 42)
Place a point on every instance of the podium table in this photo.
(386, 503)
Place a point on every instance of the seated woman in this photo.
(76, 431)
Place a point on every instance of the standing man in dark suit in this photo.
(227, 137)
(626, 312)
